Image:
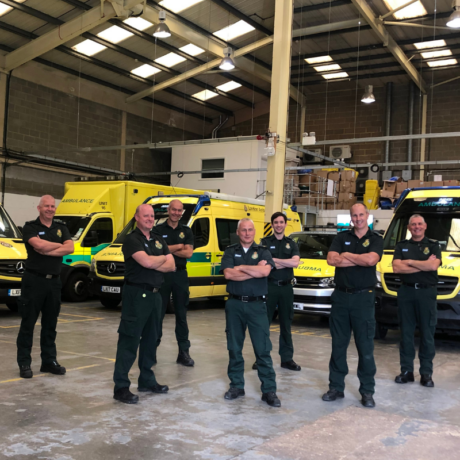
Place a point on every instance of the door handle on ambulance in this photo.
(219, 255)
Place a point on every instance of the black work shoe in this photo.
(125, 396)
(271, 399)
(184, 358)
(53, 368)
(157, 388)
(367, 400)
(291, 365)
(255, 366)
(234, 393)
(332, 395)
(404, 377)
(426, 380)
(25, 372)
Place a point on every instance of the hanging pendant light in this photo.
(368, 96)
(227, 62)
(162, 30)
(454, 19)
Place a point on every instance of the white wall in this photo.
(382, 218)
(22, 208)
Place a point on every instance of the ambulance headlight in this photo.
(379, 279)
(92, 268)
(327, 282)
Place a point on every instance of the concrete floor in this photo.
(74, 417)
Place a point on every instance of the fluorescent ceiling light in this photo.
(5, 8)
(138, 23)
(115, 34)
(235, 30)
(442, 63)
(229, 86)
(145, 70)
(205, 95)
(88, 47)
(319, 59)
(176, 6)
(411, 11)
(430, 44)
(192, 49)
(327, 68)
(170, 59)
(435, 54)
(330, 76)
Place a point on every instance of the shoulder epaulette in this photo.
(234, 245)
(377, 233)
(30, 222)
(262, 246)
(433, 241)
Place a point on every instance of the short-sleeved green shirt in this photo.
(286, 248)
(179, 235)
(154, 246)
(356, 277)
(235, 255)
(418, 250)
(56, 233)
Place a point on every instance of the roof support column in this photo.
(279, 105)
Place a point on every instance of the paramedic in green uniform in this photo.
(417, 261)
(355, 254)
(179, 239)
(246, 265)
(46, 241)
(286, 256)
(146, 259)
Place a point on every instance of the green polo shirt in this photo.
(235, 255)
(418, 250)
(356, 277)
(179, 235)
(281, 249)
(56, 233)
(154, 246)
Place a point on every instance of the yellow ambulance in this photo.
(213, 218)
(440, 207)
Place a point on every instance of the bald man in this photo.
(180, 241)
(46, 243)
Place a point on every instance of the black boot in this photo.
(426, 380)
(404, 377)
(271, 399)
(25, 372)
(184, 358)
(53, 368)
(157, 388)
(125, 396)
(332, 395)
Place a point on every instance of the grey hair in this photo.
(414, 216)
(360, 204)
(246, 219)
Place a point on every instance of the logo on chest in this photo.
(255, 255)
(288, 246)
(59, 233)
(426, 251)
(158, 245)
(366, 243)
(181, 235)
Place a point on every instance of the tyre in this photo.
(13, 306)
(76, 288)
(110, 303)
(380, 331)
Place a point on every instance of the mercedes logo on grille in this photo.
(111, 268)
(20, 267)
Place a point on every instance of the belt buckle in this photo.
(245, 298)
(48, 277)
(280, 283)
(416, 285)
(294, 281)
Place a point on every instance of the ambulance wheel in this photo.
(110, 303)
(76, 288)
(170, 310)
(380, 331)
(13, 306)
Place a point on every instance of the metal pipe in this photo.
(389, 87)
(5, 134)
(410, 122)
(217, 127)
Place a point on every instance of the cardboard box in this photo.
(347, 204)
(400, 187)
(418, 183)
(331, 206)
(389, 189)
(349, 175)
(334, 175)
(439, 183)
(322, 174)
(451, 183)
(306, 179)
(345, 196)
(347, 186)
(320, 187)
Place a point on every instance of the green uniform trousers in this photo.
(283, 298)
(139, 327)
(252, 315)
(417, 306)
(177, 284)
(38, 295)
(352, 312)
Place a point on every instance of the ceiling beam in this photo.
(321, 6)
(389, 42)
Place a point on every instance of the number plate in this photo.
(112, 289)
(298, 306)
(14, 292)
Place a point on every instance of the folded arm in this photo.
(185, 252)
(233, 274)
(363, 260)
(169, 264)
(66, 248)
(334, 259)
(287, 263)
(47, 248)
(43, 245)
(255, 271)
(430, 265)
(152, 262)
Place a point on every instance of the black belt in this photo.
(355, 291)
(146, 287)
(42, 275)
(178, 269)
(247, 298)
(281, 282)
(419, 285)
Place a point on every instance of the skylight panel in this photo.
(89, 48)
(145, 70)
(5, 8)
(138, 23)
(327, 68)
(331, 76)
(435, 54)
(205, 95)
(229, 86)
(430, 44)
(442, 63)
(411, 11)
(235, 30)
(192, 49)
(318, 60)
(115, 34)
(176, 6)
(170, 59)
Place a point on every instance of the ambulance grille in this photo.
(310, 282)
(446, 284)
(12, 268)
(115, 269)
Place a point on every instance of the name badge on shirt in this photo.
(146, 245)
(237, 255)
(41, 233)
(405, 250)
(272, 247)
(165, 236)
(347, 242)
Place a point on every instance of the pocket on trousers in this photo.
(128, 326)
(268, 342)
(371, 329)
(231, 345)
(22, 307)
